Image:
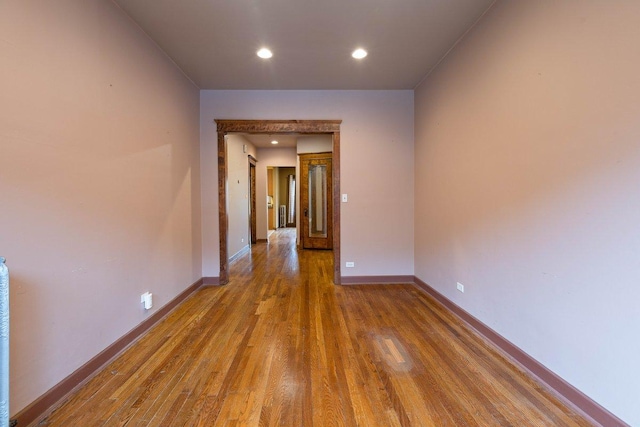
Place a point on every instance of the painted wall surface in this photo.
(528, 187)
(238, 192)
(314, 144)
(376, 143)
(99, 182)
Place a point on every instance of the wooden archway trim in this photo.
(275, 127)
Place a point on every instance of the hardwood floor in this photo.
(281, 345)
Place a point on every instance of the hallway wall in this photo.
(99, 183)
(527, 187)
(238, 192)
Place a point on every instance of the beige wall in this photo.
(377, 135)
(527, 170)
(99, 183)
(238, 192)
(321, 143)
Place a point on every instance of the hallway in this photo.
(281, 345)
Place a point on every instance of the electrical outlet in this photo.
(241, 240)
(147, 300)
(460, 287)
(350, 264)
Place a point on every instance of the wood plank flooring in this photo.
(281, 345)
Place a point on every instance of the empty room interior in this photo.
(402, 213)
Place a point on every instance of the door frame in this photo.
(253, 227)
(305, 240)
(275, 127)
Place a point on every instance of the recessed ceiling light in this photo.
(359, 53)
(264, 53)
(274, 142)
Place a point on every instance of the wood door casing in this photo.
(271, 225)
(253, 226)
(307, 241)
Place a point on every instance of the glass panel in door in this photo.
(317, 201)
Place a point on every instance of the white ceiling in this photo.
(215, 41)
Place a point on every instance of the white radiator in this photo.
(4, 343)
(283, 216)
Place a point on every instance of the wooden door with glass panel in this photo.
(316, 201)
